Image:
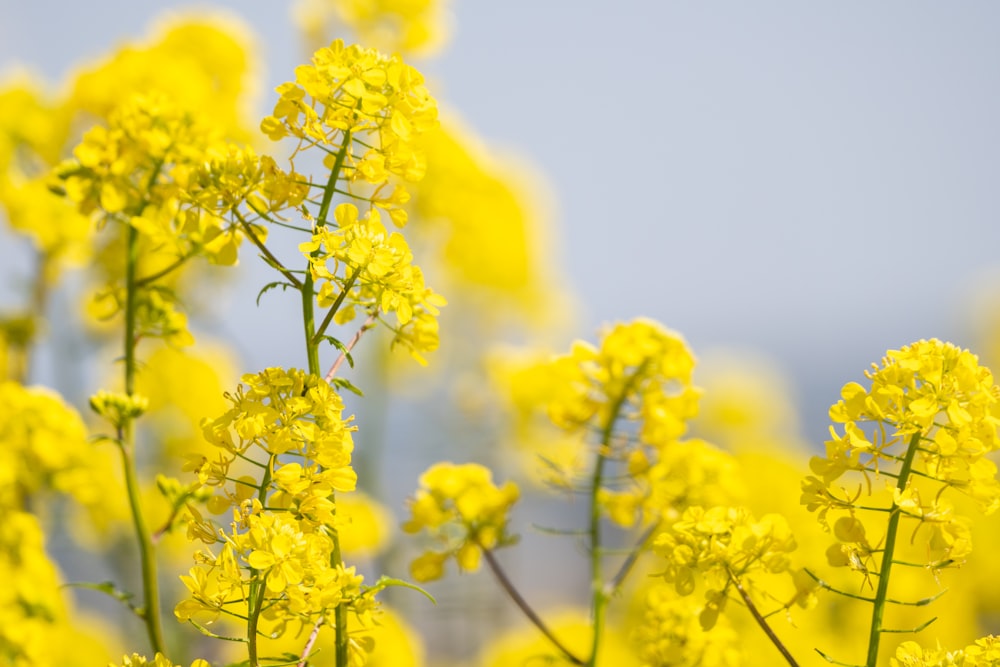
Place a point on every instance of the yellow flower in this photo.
(463, 512)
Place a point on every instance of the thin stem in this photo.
(257, 589)
(272, 260)
(369, 324)
(146, 280)
(307, 649)
(336, 559)
(599, 597)
(331, 183)
(126, 438)
(882, 594)
(523, 605)
(338, 302)
(761, 620)
(616, 582)
(307, 289)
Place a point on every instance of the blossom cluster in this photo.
(358, 265)
(366, 112)
(280, 557)
(927, 422)
(464, 512)
(726, 546)
(983, 652)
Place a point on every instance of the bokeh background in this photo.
(795, 187)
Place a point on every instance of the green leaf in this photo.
(346, 384)
(208, 633)
(270, 286)
(384, 582)
(340, 346)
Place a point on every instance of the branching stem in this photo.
(126, 440)
(882, 593)
(761, 621)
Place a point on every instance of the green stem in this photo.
(253, 615)
(331, 183)
(599, 595)
(336, 305)
(150, 585)
(882, 594)
(336, 559)
(312, 355)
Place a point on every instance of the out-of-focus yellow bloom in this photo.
(33, 135)
(746, 404)
(31, 606)
(463, 511)
(200, 62)
(364, 525)
(527, 646)
(159, 660)
(492, 225)
(33, 130)
(419, 27)
(669, 635)
(183, 387)
(44, 448)
(727, 547)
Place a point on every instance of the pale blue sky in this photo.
(814, 180)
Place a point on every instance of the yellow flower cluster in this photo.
(984, 652)
(366, 111)
(198, 62)
(927, 422)
(724, 545)
(273, 560)
(463, 511)
(139, 168)
(279, 552)
(634, 392)
(641, 372)
(279, 412)
(359, 265)
(234, 188)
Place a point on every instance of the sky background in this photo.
(813, 181)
